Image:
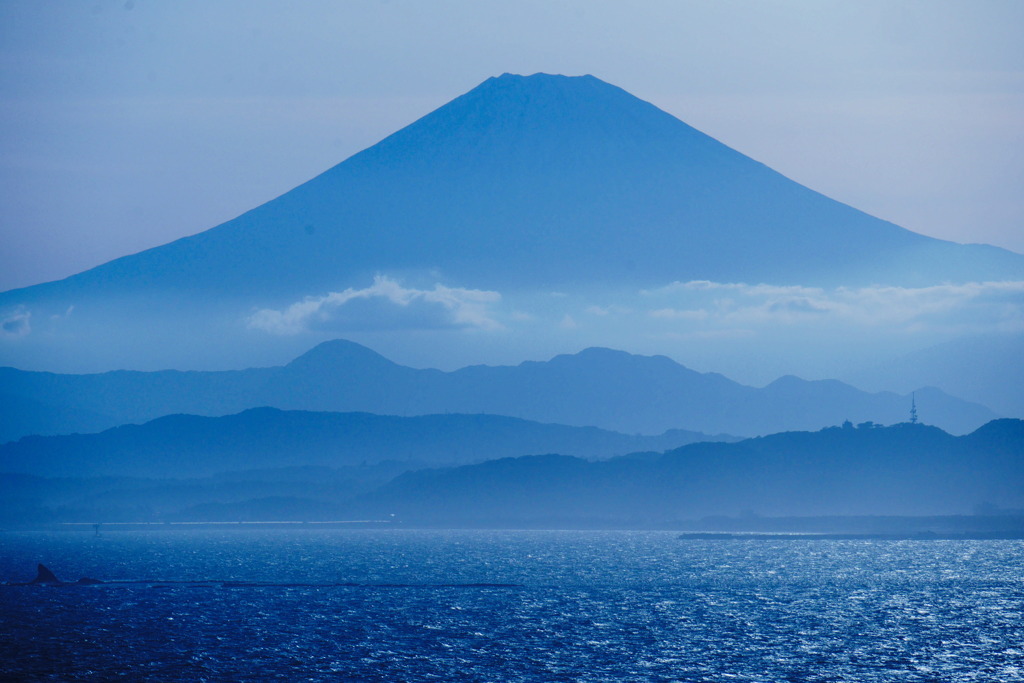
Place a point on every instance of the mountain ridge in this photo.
(597, 387)
(865, 479)
(904, 469)
(186, 446)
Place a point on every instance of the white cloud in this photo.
(16, 324)
(386, 304)
(680, 314)
(603, 311)
(65, 314)
(970, 306)
(710, 334)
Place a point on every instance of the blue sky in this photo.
(128, 124)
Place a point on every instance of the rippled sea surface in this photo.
(405, 605)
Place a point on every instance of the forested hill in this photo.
(905, 469)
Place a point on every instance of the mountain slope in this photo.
(520, 189)
(899, 470)
(523, 183)
(852, 479)
(183, 446)
(986, 369)
(596, 387)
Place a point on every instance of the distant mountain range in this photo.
(837, 479)
(524, 184)
(900, 470)
(189, 446)
(524, 210)
(603, 388)
(985, 369)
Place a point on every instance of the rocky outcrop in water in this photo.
(44, 575)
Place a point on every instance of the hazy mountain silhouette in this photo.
(31, 499)
(541, 181)
(596, 387)
(852, 479)
(184, 446)
(21, 415)
(899, 470)
(523, 183)
(983, 368)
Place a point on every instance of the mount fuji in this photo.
(523, 187)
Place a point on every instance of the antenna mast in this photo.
(913, 409)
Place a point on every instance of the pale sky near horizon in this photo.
(124, 125)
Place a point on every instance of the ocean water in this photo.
(420, 605)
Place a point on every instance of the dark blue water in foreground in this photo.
(590, 606)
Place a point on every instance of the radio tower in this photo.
(913, 409)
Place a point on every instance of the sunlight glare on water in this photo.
(392, 605)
